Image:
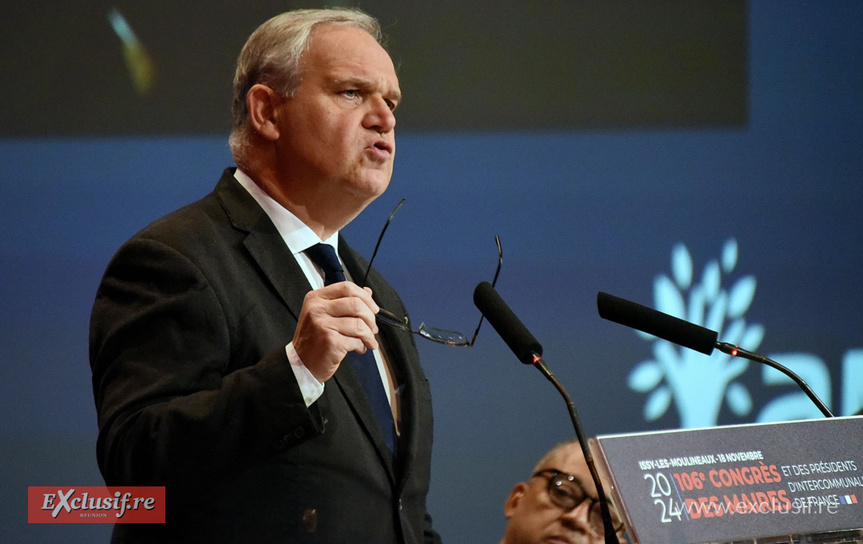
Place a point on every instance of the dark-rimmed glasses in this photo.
(441, 336)
(567, 492)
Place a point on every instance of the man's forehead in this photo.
(569, 460)
(349, 51)
(329, 39)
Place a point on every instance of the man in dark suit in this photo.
(220, 347)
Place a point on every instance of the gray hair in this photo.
(271, 56)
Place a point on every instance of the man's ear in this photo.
(262, 103)
(514, 499)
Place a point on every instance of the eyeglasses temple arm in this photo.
(493, 283)
(378, 244)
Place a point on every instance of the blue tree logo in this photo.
(698, 384)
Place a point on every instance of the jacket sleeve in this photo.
(430, 536)
(174, 404)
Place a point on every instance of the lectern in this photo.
(790, 482)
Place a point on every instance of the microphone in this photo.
(529, 351)
(636, 316)
(688, 335)
(507, 325)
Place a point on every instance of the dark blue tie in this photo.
(364, 365)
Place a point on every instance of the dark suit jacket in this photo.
(194, 392)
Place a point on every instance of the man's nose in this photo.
(381, 116)
(578, 520)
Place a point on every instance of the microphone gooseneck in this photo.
(736, 351)
(529, 351)
(688, 335)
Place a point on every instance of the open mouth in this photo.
(384, 146)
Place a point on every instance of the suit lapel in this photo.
(263, 242)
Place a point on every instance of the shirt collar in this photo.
(296, 234)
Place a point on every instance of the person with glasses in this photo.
(558, 504)
(237, 357)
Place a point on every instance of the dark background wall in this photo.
(607, 143)
(513, 64)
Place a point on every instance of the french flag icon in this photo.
(848, 499)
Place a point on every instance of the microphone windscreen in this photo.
(678, 331)
(507, 325)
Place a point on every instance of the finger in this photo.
(352, 328)
(347, 289)
(346, 317)
(351, 307)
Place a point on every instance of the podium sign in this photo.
(727, 484)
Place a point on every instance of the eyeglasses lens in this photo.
(566, 494)
(443, 336)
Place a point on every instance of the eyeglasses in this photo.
(441, 336)
(567, 492)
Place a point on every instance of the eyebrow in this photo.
(366, 85)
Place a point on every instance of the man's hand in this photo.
(334, 320)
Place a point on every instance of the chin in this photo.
(375, 185)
